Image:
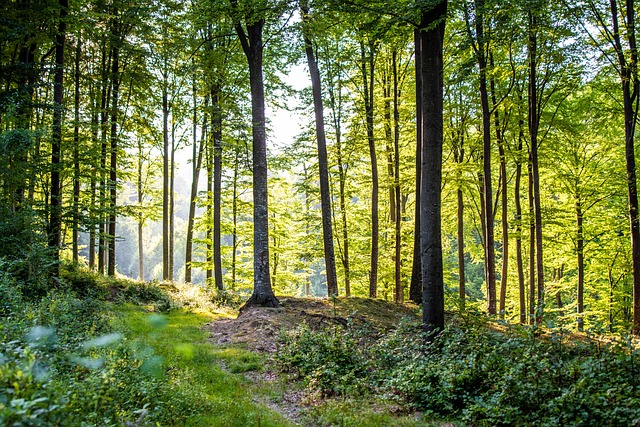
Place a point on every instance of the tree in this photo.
(432, 26)
(325, 196)
(253, 46)
(55, 221)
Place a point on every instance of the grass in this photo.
(357, 413)
(199, 391)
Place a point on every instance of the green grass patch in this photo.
(239, 360)
(195, 389)
(357, 413)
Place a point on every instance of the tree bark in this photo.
(325, 191)
(396, 181)
(432, 28)
(196, 162)
(580, 260)
(336, 105)
(415, 287)
(368, 82)
(630, 89)
(140, 212)
(489, 242)
(165, 179)
(252, 45)
(216, 129)
(503, 197)
(111, 235)
(532, 248)
(534, 123)
(76, 154)
(55, 220)
(519, 261)
(105, 100)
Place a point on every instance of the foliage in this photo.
(328, 361)
(475, 371)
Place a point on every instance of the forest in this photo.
(446, 189)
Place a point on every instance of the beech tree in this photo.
(249, 20)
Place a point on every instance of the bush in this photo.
(475, 373)
(329, 361)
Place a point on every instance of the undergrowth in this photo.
(472, 373)
(96, 351)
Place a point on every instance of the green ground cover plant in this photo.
(473, 372)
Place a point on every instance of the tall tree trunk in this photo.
(368, 61)
(415, 288)
(55, 222)
(196, 159)
(115, 78)
(504, 213)
(489, 242)
(76, 154)
(234, 230)
(172, 199)
(196, 167)
(580, 260)
(325, 191)
(216, 124)
(105, 100)
(140, 212)
(532, 248)
(396, 180)
(432, 27)
(336, 105)
(252, 45)
(93, 184)
(209, 211)
(165, 181)
(534, 123)
(630, 90)
(519, 261)
(388, 137)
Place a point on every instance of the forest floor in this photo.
(257, 330)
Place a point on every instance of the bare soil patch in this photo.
(257, 328)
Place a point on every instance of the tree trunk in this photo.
(76, 154)
(92, 201)
(415, 288)
(172, 193)
(432, 27)
(503, 196)
(111, 235)
(105, 100)
(534, 123)
(580, 259)
(196, 161)
(196, 168)
(396, 181)
(252, 46)
(489, 243)
(532, 249)
(216, 124)
(165, 180)
(368, 82)
(234, 231)
(336, 105)
(55, 221)
(140, 212)
(325, 191)
(519, 261)
(630, 90)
